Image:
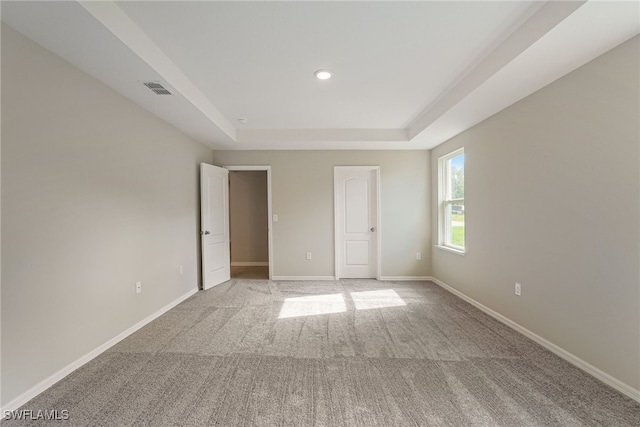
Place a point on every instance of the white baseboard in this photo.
(574, 360)
(303, 278)
(48, 382)
(382, 278)
(623, 388)
(404, 278)
(249, 264)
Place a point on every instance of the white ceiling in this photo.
(407, 75)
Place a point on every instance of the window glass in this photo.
(452, 213)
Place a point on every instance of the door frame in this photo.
(269, 214)
(377, 246)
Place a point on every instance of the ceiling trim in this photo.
(543, 42)
(544, 18)
(321, 135)
(541, 19)
(115, 20)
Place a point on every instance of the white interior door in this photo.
(356, 216)
(214, 225)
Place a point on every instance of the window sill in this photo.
(452, 250)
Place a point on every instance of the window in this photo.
(451, 201)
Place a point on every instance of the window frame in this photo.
(445, 202)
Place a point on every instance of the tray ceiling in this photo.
(406, 75)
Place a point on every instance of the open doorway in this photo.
(249, 214)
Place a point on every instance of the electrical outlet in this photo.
(138, 287)
(418, 256)
(518, 289)
(275, 217)
(308, 255)
(180, 270)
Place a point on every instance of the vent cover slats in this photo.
(157, 88)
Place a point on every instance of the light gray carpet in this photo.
(225, 358)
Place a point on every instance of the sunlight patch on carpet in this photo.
(312, 306)
(376, 299)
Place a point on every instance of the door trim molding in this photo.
(266, 168)
(378, 246)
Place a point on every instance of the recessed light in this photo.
(243, 120)
(323, 74)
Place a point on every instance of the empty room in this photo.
(320, 213)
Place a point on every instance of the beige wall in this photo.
(302, 186)
(552, 201)
(248, 216)
(96, 195)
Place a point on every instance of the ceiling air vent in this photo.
(157, 88)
